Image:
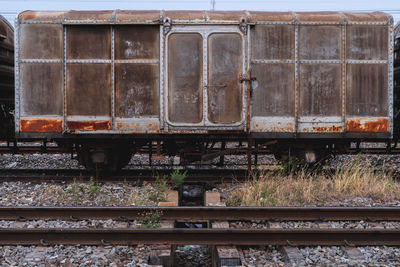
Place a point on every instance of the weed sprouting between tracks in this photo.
(305, 187)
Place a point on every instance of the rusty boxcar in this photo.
(108, 82)
(6, 80)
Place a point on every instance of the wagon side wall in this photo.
(323, 77)
(318, 74)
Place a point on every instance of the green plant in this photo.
(83, 191)
(177, 177)
(93, 189)
(161, 184)
(391, 181)
(151, 219)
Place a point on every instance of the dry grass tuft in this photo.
(311, 188)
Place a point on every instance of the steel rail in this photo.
(291, 237)
(205, 213)
(134, 175)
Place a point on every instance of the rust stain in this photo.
(324, 16)
(41, 15)
(223, 15)
(185, 14)
(367, 125)
(327, 129)
(138, 127)
(89, 125)
(271, 16)
(364, 16)
(89, 15)
(278, 127)
(40, 125)
(138, 15)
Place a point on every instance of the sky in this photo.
(10, 8)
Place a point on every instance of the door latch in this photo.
(245, 77)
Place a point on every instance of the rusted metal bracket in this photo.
(246, 77)
(243, 26)
(167, 25)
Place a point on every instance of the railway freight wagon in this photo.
(109, 82)
(6, 80)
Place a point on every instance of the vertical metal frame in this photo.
(64, 29)
(296, 74)
(249, 56)
(112, 86)
(390, 73)
(17, 74)
(205, 79)
(344, 72)
(205, 31)
(161, 81)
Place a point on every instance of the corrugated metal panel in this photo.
(137, 42)
(41, 88)
(320, 90)
(88, 89)
(137, 91)
(320, 42)
(366, 42)
(41, 41)
(274, 95)
(272, 42)
(367, 90)
(79, 36)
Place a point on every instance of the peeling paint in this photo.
(367, 125)
(41, 125)
(327, 129)
(138, 126)
(274, 125)
(89, 125)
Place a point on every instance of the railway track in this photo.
(204, 213)
(282, 237)
(205, 236)
(134, 175)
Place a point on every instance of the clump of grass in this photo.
(161, 184)
(306, 187)
(151, 219)
(81, 191)
(177, 177)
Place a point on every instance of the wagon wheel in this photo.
(104, 160)
(295, 158)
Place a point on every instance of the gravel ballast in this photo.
(75, 255)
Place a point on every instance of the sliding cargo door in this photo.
(202, 78)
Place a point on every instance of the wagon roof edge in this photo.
(198, 16)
